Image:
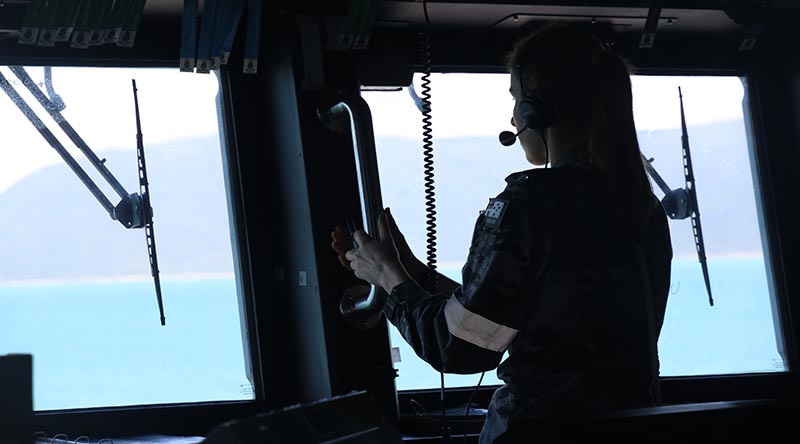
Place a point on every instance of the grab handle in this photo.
(362, 309)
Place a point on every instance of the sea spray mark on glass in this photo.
(96, 344)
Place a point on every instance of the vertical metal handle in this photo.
(361, 309)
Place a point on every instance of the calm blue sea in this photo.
(103, 344)
(98, 344)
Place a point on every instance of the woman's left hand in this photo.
(376, 262)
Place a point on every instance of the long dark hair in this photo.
(589, 88)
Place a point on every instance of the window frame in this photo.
(186, 419)
(178, 418)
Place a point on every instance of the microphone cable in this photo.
(430, 189)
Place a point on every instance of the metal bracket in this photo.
(650, 26)
(750, 40)
(311, 41)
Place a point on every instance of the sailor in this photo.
(569, 266)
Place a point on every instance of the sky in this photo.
(656, 104)
(100, 108)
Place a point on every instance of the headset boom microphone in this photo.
(507, 138)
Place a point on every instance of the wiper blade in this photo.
(144, 190)
(691, 187)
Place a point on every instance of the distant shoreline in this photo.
(115, 279)
(184, 277)
(740, 255)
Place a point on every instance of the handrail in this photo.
(351, 112)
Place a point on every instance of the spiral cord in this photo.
(427, 158)
(430, 189)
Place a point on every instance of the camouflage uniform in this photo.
(554, 281)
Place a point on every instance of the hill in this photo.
(53, 228)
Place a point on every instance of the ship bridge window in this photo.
(739, 334)
(76, 289)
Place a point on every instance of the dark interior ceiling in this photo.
(486, 24)
(687, 15)
(505, 16)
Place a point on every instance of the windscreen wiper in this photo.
(133, 210)
(128, 211)
(144, 192)
(697, 229)
(681, 203)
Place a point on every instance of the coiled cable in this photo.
(428, 177)
(427, 158)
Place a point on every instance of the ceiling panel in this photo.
(509, 16)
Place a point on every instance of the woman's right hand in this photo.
(389, 232)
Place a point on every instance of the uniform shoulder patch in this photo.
(493, 215)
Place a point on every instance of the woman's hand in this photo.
(376, 262)
(384, 261)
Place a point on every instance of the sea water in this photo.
(101, 343)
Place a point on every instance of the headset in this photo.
(536, 113)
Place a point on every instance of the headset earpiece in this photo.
(535, 112)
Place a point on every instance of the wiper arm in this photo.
(54, 110)
(676, 202)
(53, 141)
(48, 84)
(133, 210)
(648, 163)
(129, 211)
